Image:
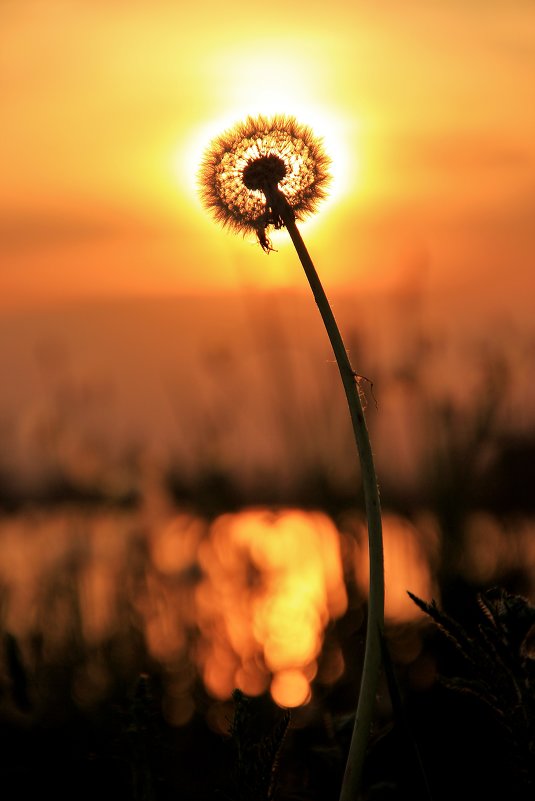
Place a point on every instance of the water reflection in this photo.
(272, 581)
(410, 551)
(244, 601)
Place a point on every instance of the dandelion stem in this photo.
(372, 656)
(258, 156)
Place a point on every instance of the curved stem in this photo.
(372, 656)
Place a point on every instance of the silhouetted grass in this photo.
(91, 719)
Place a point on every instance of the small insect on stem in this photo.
(358, 378)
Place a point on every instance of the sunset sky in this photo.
(427, 110)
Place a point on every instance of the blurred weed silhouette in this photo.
(496, 666)
(254, 754)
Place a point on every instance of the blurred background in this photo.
(179, 488)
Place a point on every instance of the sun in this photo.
(326, 127)
(286, 85)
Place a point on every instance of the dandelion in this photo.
(268, 173)
(246, 169)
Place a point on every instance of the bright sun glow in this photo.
(268, 86)
(330, 130)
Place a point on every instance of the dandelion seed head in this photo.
(243, 165)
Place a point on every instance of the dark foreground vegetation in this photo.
(468, 732)
(88, 717)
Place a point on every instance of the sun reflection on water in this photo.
(271, 583)
(408, 553)
(244, 601)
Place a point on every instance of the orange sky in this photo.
(426, 108)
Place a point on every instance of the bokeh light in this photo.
(272, 582)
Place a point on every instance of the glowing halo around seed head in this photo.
(331, 131)
(243, 164)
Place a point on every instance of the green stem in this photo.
(372, 656)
